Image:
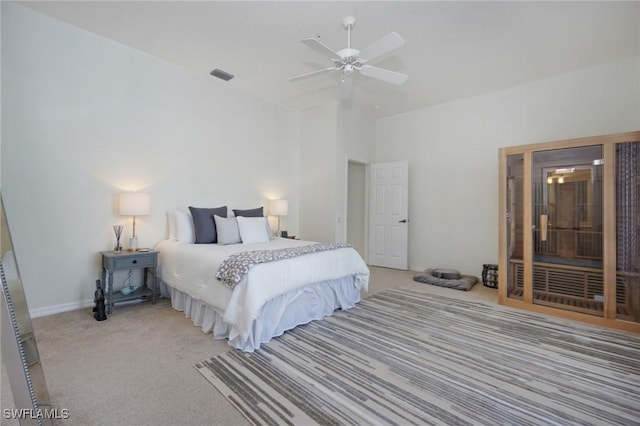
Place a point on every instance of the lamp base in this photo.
(133, 244)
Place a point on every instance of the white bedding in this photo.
(191, 269)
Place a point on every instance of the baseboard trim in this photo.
(56, 309)
(66, 307)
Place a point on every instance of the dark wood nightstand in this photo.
(116, 261)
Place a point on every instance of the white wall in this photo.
(452, 151)
(330, 135)
(0, 103)
(318, 128)
(84, 118)
(356, 141)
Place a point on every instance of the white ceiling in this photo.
(453, 49)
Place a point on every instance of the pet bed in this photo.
(447, 278)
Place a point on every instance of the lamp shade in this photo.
(135, 203)
(279, 207)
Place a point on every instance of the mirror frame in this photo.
(19, 347)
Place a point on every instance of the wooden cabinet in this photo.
(570, 229)
(117, 261)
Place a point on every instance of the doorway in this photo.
(377, 209)
(357, 206)
(388, 214)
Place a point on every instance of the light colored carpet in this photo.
(136, 368)
(407, 357)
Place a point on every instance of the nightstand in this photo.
(125, 260)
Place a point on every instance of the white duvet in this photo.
(191, 268)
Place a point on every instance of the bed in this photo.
(271, 298)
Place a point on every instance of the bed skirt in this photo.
(300, 306)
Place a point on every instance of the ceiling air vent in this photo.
(221, 74)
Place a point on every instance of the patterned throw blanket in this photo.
(236, 266)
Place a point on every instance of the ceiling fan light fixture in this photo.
(349, 59)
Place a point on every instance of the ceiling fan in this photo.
(349, 60)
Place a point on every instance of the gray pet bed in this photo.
(447, 278)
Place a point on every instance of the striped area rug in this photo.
(405, 357)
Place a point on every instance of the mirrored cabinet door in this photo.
(567, 227)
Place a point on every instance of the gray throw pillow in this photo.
(257, 212)
(227, 230)
(204, 225)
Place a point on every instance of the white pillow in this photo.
(185, 232)
(253, 229)
(227, 230)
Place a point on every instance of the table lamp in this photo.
(279, 208)
(134, 204)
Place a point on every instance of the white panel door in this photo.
(388, 221)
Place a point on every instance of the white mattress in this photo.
(191, 269)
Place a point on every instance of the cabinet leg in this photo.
(109, 302)
(154, 285)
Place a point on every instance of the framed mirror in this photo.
(19, 348)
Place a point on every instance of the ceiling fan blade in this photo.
(312, 74)
(319, 47)
(385, 45)
(392, 77)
